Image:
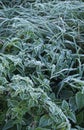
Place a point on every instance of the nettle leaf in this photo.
(65, 105)
(80, 100)
(45, 121)
(72, 103)
(71, 116)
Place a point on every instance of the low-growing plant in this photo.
(42, 65)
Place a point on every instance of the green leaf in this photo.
(8, 125)
(80, 118)
(72, 116)
(65, 105)
(72, 103)
(80, 100)
(45, 121)
(19, 126)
